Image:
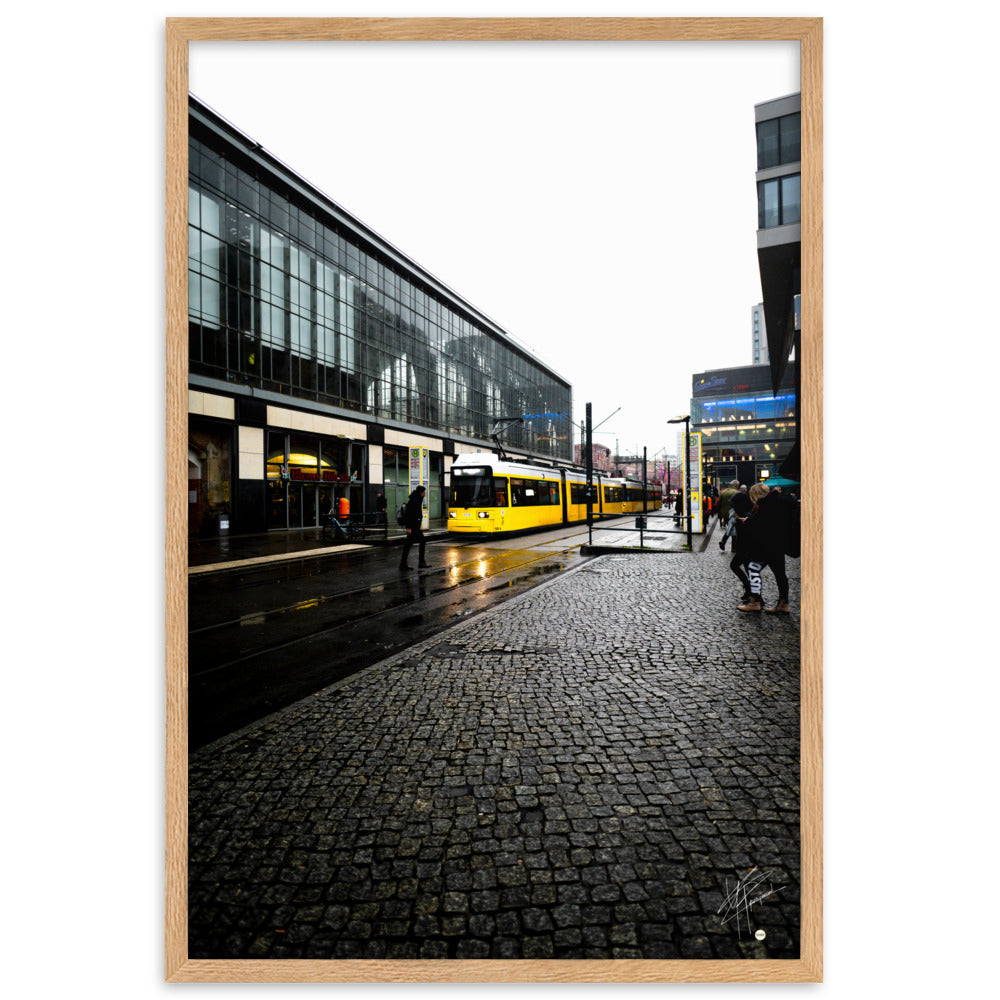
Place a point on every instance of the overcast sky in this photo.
(595, 199)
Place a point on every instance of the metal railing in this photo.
(642, 527)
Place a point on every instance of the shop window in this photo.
(209, 477)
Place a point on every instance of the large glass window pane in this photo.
(303, 457)
(791, 199)
(275, 454)
(766, 407)
(767, 144)
(194, 295)
(211, 302)
(790, 138)
(768, 208)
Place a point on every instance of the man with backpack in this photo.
(412, 518)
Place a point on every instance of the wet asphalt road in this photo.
(262, 637)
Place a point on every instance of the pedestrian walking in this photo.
(678, 507)
(742, 506)
(767, 535)
(726, 516)
(380, 507)
(413, 520)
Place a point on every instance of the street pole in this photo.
(590, 480)
(687, 473)
(644, 495)
(686, 479)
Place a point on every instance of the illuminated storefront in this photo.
(747, 428)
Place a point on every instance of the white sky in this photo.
(597, 200)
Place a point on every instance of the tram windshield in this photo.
(472, 487)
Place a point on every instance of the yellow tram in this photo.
(489, 494)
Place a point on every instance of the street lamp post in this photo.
(686, 421)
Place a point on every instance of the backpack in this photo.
(401, 516)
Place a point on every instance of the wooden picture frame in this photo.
(808, 32)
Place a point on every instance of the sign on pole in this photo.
(419, 476)
(692, 480)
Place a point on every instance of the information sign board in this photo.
(692, 479)
(419, 476)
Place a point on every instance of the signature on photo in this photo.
(750, 889)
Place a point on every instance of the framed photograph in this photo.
(555, 803)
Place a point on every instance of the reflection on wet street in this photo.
(261, 637)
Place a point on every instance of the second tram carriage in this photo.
(489, 494)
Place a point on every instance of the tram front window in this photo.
(472, 487)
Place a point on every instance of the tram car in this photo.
(490, 494)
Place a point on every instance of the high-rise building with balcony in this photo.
(779, 241)
(779, 222)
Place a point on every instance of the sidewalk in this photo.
(586, 770)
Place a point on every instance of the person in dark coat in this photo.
(726, 513)
(766, 536)
(413, 520)
(740, 507)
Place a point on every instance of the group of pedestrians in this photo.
(764, 527)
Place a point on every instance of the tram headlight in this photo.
(483, 513)
(451, 513)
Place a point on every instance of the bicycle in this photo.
(343, 530)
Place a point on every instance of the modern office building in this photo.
(748, 430)
(779, 240)
(748, 416)
(325, 363)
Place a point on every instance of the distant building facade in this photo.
(600, 456)
(746, 428)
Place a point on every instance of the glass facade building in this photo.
(296, 307)
(779, 243)
(779, 219)
(743, 421)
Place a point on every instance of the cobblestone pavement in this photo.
(587, 770)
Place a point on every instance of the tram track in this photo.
(313, 601)
(261, 617)
(284, 633)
